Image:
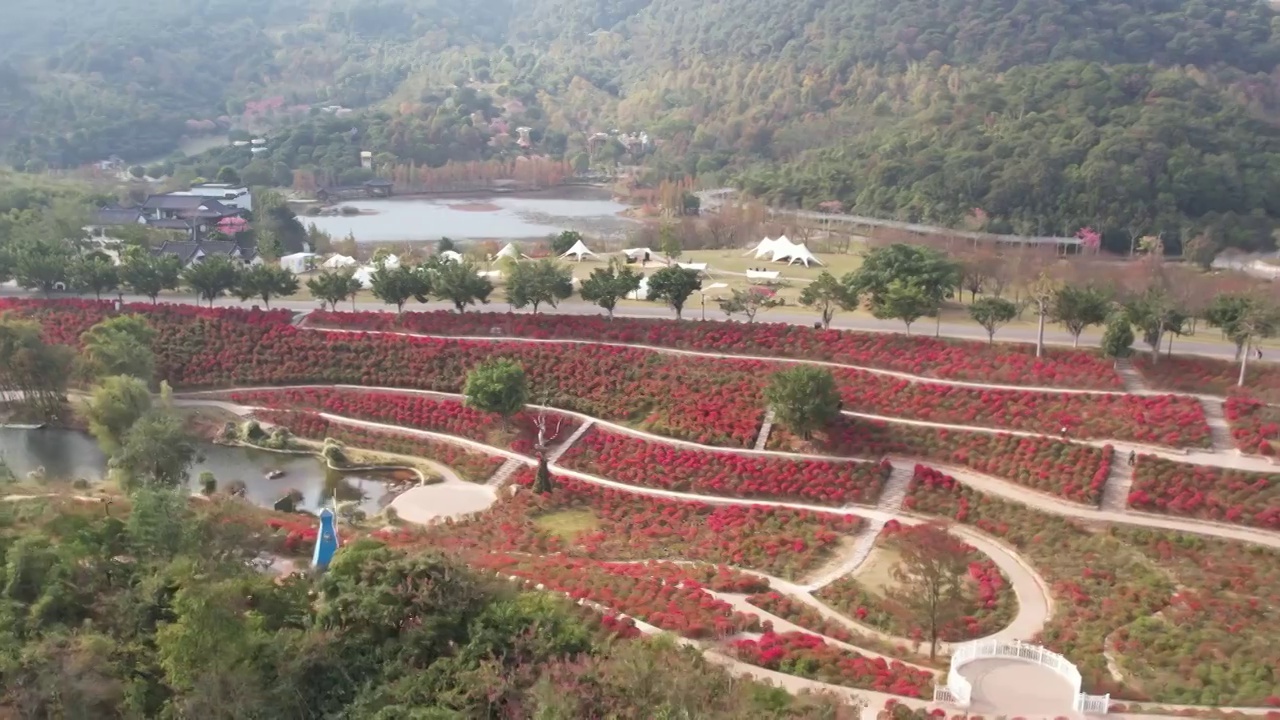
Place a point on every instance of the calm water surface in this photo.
(515, 218)
(69, 455)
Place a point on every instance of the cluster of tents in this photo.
(781, 249)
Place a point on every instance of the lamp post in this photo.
(703, 295)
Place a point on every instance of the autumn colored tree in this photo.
(930, 575)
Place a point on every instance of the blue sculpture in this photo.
(326, 541)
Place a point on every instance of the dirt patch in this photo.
(876, 574)
(475, 207)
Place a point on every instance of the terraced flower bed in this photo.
(1097, 583)
(470, 465)
(1216, 641)
(1206, 492)
(810, 656)
(1068, 470)
(424, 412)
(608, 524)
(989, 605)
(1170, 420)
(1196, 374)
(809, 619)
(1255, 426)
(671, 603)
(637, 461)
(931, 357)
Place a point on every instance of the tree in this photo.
(992, 313)
(41, 263)
(933, 273)
(827, 295)
(211, 277)
(149, 275)
(932, 568)
(460, 284)
(560, 244)
(1244, 318)
(1117, 338)
(534, 283)
(397, 285)
(1076, 308)
(114, 407)
(606, 286)
(156, 451)
(119, 345)
(749, 302)
(498, 386)
(1153, 313)
(33, 373)
(674, 285)
(444, 245)
(332, 287)
(669, 241)
(94, 273)
(542, 480)
(265, 281)
(1201, 250)
(902, 301)
(803, 399)
(228, 175)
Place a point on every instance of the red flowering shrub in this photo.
(949, 359)
(1222, 616)
(469, 464)
(989, 604)
(1207, 492)
(296, 534)
(424, 412)
(626, 526)
(1069, 470)
(1170, 420)
(673, 603)
(1255, 426)
(810, 656)
(637, 461)
(1196, 374)
(1096, 583)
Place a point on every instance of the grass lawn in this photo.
(876, 574)
(568, 524)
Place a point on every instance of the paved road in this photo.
(1208, 342)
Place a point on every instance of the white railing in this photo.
(959, 690)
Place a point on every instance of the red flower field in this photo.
(1255, 426)
(1068, 470)
(810, 656)
(1206, 492)
(1196, 374)
(637, 461)
(949, 359)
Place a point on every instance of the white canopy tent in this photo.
(766, 247)
(391, 262)
(452, 255)
(640, 293)
(763, 274)
(641, 254)
(509, 251)
(579, 251)
(339, 261)
(364, 276)
(298, 262)
(700, 267)
(800, 254)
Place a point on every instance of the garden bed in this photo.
(1206, 492)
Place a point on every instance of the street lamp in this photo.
(703, 295)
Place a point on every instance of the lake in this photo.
(70, 455)
(502, 217)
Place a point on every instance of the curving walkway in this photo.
(987, 484)
(1034, 597)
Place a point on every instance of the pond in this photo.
(502, 217)
(69, 455)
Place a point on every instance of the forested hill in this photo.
(1135, 117)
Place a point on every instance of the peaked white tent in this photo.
(700, 267)
(298, 262)
(509, 251)
(339, 261)
(452, 255)
(800, 254)
(391, 262)
(766, 247)
(364, 276)
(579, 251)
(640, 254)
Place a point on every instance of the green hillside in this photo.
(1135, 117)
